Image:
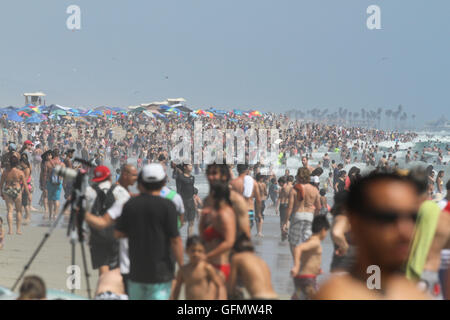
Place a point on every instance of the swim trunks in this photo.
(300, 228)
(108, 295)
(251, 215)
(149, 291)
(305, 286)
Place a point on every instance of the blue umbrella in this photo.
(33, 119)
(13, 116)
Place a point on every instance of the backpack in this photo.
(101, 204)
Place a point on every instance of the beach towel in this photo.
(423, 237)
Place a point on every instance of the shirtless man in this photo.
(306, 165)
(12, 184)
(283, 204)
(260, 180)
(252, 271)
(249, 190)
(382, 209)
(308, 259)
(304, 204)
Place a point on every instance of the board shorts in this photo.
(251, 216)
(283, 211)
(430, 283)
(305, 286)
(54, 191)
(104, 254)
(189, 210)
(108, 295)
(300, 229)
(149, 291)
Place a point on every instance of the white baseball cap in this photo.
(153, 172)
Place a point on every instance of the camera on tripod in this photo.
(67, 173)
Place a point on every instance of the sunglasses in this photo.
(386, 217)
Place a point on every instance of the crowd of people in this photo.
(393, 218)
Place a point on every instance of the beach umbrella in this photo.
(139, 109)
(181, 107)
(255, 114)
(59, 112)
(36, 109)
(33, 119)
(13, 116)
(148, 114)
(200, 112)
(23, 114)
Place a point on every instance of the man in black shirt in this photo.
(185, 187)
(150, 224)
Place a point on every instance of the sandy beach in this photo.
(52, 261)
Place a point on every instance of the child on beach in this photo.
(2, 234)
(307, 260)
(201, 279)
(250, 270)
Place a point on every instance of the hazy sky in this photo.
(264, 54)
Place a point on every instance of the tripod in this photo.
(74, 230)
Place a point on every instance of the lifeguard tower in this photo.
(34, 98)
(176, 102)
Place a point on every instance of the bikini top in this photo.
(210, 234)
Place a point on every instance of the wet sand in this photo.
(52, 261)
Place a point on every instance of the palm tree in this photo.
(388, 114)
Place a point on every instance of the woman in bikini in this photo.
(218, 228)
(12, 184)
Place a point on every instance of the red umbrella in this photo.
(23, 113)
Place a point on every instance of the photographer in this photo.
(100, 197)
(127, 178)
